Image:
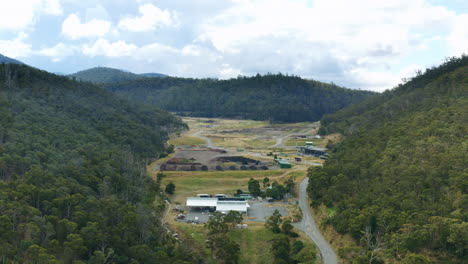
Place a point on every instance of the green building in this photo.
(283, 164)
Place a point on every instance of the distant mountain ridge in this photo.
(274, 97)
(109, 75)
(153, 75)
(5, 59)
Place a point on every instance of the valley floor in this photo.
(255, 140)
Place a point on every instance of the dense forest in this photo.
(273, 97)
(399, 179)
(73, 183)
(106, 75)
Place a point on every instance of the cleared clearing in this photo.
(253, 139)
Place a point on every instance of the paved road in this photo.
(310, 228)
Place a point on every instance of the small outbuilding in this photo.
(312, 150)
(283, 164)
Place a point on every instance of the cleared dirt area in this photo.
(208, 160)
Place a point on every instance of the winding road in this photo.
(307, 224)
(310, 228)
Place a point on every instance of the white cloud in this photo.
(52, 7)
(58, 52)
(458, 37)
(74, 29)
(16, 48)
(17, 15)
(151, 17)
(379, 80)
(330, 40)
(103, 47)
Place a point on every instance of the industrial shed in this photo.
(201, 202)
(223, 205)
(226, 206)
(311, 150)
(283, 164)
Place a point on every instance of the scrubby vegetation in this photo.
(399, 179)
(73, 186)
(274, 97)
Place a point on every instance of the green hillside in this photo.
(104, 75)
(73, 187)
(399, 180)
(109, 75)
(270, 97)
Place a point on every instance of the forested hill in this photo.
(73, 187)
(399, 180)
(270, 97)
(106, 75)
(4, 59)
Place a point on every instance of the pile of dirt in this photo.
(239, 160)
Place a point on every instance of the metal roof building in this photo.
(283, 164)
(311, 150)
(226, 206)
(219, 204)
(201, 202)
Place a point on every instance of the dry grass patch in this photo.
(191, 183)
(187, 140)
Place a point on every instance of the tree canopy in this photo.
(73, 185)
(399, 178)
(274, 97)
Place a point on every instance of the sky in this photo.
(359, 44)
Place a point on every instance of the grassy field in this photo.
(187, 140)
(190, 183)
(254, 242)
(240, 141)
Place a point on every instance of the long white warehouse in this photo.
(223, 205)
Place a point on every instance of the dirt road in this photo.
(310, 228)
(280, 141)
(209, 142)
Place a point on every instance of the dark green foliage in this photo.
(274, 221)
(73, 185)
(254, 187)
(286, 227)
(276, 191)
(220, 244)
(170, 188)
(266, 182)
(270, 97)
(233, 218)
(297, 246)
(281, 249)
(400, 176)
